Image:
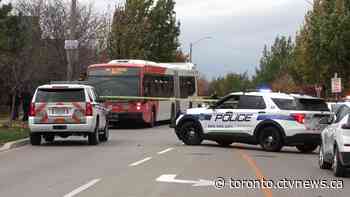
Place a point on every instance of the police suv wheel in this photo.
(35, 139)
(338, 168)
(94, 138)
(104, 137)
(270, 139)
(191, 134)
(321, 160)
(307, 148)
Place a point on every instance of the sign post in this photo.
(336, 85)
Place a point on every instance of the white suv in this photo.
(272, 120)
(335, 148)
(67, 110)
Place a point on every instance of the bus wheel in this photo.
(152, 122)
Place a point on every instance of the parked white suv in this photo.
(67, 110)
(272, 120)
(335, 148)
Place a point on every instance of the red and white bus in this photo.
(139, 78)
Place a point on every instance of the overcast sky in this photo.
(239, 29)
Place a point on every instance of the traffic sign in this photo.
(336, 84)
(71, 44)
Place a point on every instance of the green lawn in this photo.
(12, 134)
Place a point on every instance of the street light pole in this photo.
(192, 44)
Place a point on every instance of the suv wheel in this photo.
(49, 138)
(307, 148)
(224, 143)
(191, 133)
(337, 167)
(35, 139)
(93, 138)
(270, 139)
(105, 136)
(321, 160)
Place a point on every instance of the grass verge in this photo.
(12, 134)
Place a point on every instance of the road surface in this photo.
(139, 162)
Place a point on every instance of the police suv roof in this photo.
(73, 86)
(275, 95)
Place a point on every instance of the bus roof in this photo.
(143, 63)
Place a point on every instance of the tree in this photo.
(231, 82)
(162, 41)
(54, 23)
(129, 30)
(275, 61)
(141, 30)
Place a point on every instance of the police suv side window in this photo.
(251, 102)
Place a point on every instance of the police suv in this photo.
(272, 120)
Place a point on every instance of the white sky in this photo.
(239, 29)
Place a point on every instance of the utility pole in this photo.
(191, 49)
(71, 44)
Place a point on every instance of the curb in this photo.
(14, 144)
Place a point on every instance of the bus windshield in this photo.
(115, 81)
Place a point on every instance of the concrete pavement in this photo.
(132, 162)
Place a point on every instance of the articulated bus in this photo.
(139, 78)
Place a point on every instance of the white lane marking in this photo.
(171, 178)
(140, 162)
(165, 151)
(82, 188)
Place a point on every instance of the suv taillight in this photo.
(32, 110)
(300, 118)
(88, 110)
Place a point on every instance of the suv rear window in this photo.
(301, 104)
(60, 95)
(312, 105)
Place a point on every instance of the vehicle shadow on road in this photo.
(67, 142)
(129, 125)
(285, 150)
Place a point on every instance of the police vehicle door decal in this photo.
(224, 118)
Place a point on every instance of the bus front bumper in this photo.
(124, 116)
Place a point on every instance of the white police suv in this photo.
(272, 120)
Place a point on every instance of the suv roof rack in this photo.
(71, 82)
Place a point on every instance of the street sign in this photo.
(336, 84)
(71, 44)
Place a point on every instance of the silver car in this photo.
(67, 110)
(335, 149)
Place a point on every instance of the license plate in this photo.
(60, 111)
(60, 127)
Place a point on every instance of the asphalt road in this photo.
(140, 162)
